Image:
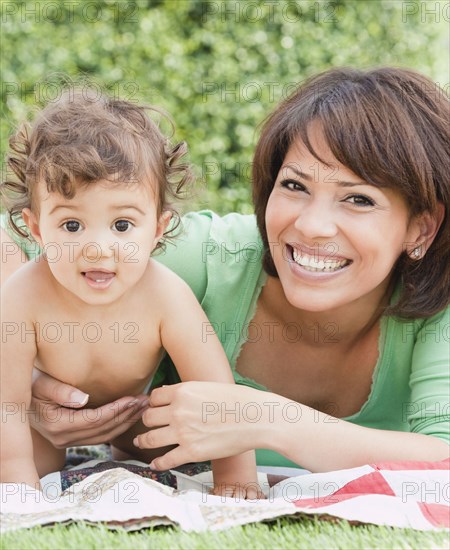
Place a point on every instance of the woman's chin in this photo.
(314, 301)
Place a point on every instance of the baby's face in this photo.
(98, 244)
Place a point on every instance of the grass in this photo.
(284, 533)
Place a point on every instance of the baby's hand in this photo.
(247, 491)
(236, 477)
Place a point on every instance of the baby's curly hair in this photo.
(84, 137)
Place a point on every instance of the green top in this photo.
(220, 259)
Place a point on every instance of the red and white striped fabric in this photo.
(399, 494)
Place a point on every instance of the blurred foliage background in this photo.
(218, 67)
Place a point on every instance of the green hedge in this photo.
(218, 67)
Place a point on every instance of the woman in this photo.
(332, 305)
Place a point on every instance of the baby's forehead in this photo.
(101, 193)
(78, 186)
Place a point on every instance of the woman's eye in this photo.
(360, 200)
(72, 226)
(292, 185)
(122, 225)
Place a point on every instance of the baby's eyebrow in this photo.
(129, 207)
(69, 206)
(115, 207)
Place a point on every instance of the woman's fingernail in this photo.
(136, 442)
(132, 403)
(152, 465)
(79, 397)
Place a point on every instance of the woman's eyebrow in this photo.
(331, 178)
(299, 173)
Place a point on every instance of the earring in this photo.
(417, 252)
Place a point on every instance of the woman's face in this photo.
(334, 238)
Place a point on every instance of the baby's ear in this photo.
(163, 222)
(32, 223)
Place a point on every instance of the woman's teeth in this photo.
(311, 264)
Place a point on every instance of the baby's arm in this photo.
(198, 355)
(18, 351)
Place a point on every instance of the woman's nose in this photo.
(316, 220)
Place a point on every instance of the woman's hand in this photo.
(53, 414)
(207, 420)
(210, 420)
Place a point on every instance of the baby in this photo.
(93, 180)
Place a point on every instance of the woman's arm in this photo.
(209, 420)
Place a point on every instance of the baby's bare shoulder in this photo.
(26, 287)
(162, 278)
(160, 285)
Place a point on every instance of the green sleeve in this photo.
(429, 410)
(185, 255)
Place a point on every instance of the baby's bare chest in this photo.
(105, 357)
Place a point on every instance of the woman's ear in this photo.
(32, 223)
(163, 222)
(426, 226)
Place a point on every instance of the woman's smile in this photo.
(315, 269)
(316, 262)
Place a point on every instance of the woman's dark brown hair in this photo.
(84, 137)
(389, 126)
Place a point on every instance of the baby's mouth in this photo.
(98, 276)
(324, 264)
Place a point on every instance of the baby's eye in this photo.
(122, 225)
(72, 226)
(360, 200)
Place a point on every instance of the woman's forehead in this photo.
(319, 148)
